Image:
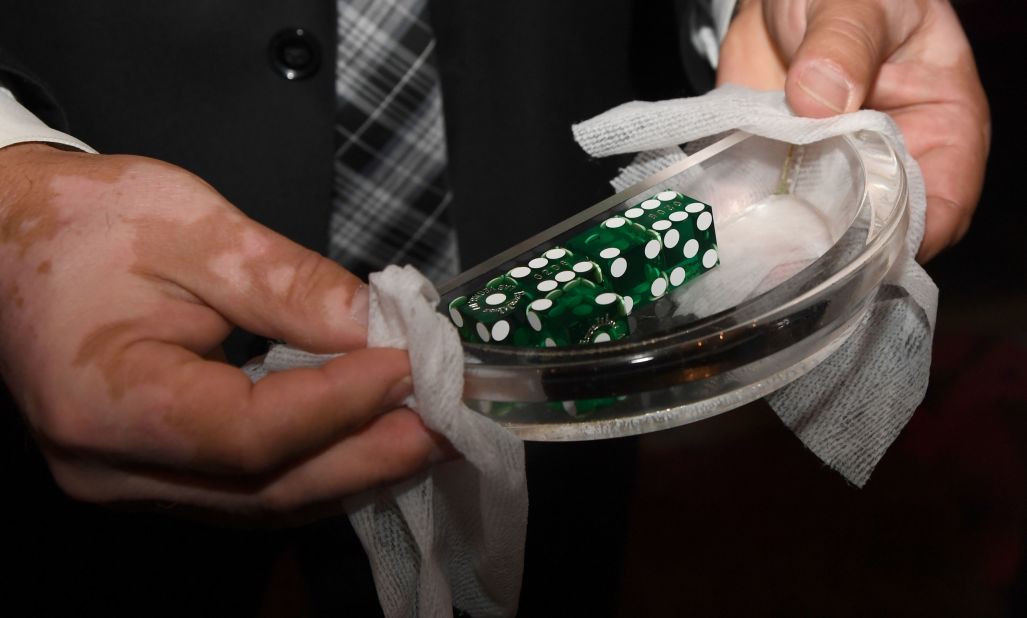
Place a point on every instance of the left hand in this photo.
(119, 278)
(908, 58)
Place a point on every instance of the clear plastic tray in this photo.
(802, 253)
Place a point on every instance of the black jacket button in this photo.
(295, 53)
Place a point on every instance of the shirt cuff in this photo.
(19, 125)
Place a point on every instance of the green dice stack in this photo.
(583, 292)
(555, 300)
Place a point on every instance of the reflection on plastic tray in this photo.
(805, 235)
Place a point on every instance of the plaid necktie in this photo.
(390, 194)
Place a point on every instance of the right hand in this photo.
(119, 278)
(908, 59)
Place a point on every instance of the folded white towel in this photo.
(453, 535)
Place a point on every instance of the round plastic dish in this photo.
(805, 235)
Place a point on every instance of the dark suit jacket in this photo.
(191, 82)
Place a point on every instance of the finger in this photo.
(748, 56)
(391, 447)
(260, 280)
(844, 45)
(950, 142)
(947, 222)
(953, 189)
(171, 407)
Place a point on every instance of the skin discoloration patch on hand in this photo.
(101, 349)
(232, 256)
(24, 227)
(280, 278)
(249, 274)
(29, 196)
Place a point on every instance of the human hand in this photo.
(910, 59)
(119, 278)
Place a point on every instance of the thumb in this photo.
(844, 45)
(269, 285)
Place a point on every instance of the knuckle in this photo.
(853, 29)
(155, 169)
(313, 274)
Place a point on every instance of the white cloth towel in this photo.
(453, 535)
(850, 408)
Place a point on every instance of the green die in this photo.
(544, 327)
(579, 313)
(629, 254)
(687, 231)
(553, 269)
(494, 314)
(464, 327)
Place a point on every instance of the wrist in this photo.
(12, 154)
(20, 167)
(16, 159)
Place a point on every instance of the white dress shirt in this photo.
(18, 125)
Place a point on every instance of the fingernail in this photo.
(358, 306)
(826, 85)
(399, 392)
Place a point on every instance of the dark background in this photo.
(733, 517)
